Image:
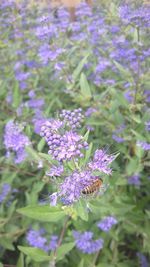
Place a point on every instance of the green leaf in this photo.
(3, 221)
(41, 144)
(16, 96)
(1, 265)
(64, 249)
(85, 88)
(88, 154)
(33, 154)
(81, 209)
(35, 254)
(123, 71)
(7, 243)
(81, 264)
(20, 262)
(43, 213)
(79, 67)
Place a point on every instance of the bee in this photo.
(94, 187)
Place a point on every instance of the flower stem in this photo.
(53, 262)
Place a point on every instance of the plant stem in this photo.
(53, 262)
(95, 259)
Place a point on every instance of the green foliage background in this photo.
(128, 203)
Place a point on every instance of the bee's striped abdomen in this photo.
(95, 186)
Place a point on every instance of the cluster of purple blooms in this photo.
(15, 141)
(65, 145)
(73, 119)
(143, 260)
(107, 223)
(134, 180)
(38, 239)
(85, 243)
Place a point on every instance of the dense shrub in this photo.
(75, 141)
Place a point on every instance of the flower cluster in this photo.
(144, 145)
(143, 260)
(72, 118)
(85, 243)
(71, 188)
(134, 180)
(38, 239)
(64, 144)
(15, 140)
(101, 161)
(107, 223)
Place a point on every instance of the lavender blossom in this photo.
(117, 138)
(38, 239)
(72, 118)
(144, 145)
(62, 146)
(4, 191)
(90, 111)
(15, 140)
(85, 243)
(55, 170)
(71, 188)
(53, 242)
(134, 180)
(147, 126)
(101, 161)
(35, 239)
(143, 260)
(107, 223)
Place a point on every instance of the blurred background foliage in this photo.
(101, 64)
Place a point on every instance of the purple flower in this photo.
(147, 126)
(4, 191)
(143, 260)
(35, 239)
(15, 140)
(85, 243)
(134, 180)
(144, 145)
(72, 118)
(101, 161)
(129, 96)
(90, 111)
(107, 223)
(53, 242)
(38, 239)
(36, 103)
(21, 76)
(53, 199)
(62, 146)
(55, 170)
(118, 139)
(73, 185)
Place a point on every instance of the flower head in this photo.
(85, 243)
(39, 239)
(134, 180)
(107, 223)
(15, 140)
(73, 185)
(101, 161)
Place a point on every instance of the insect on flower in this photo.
(94, 187)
